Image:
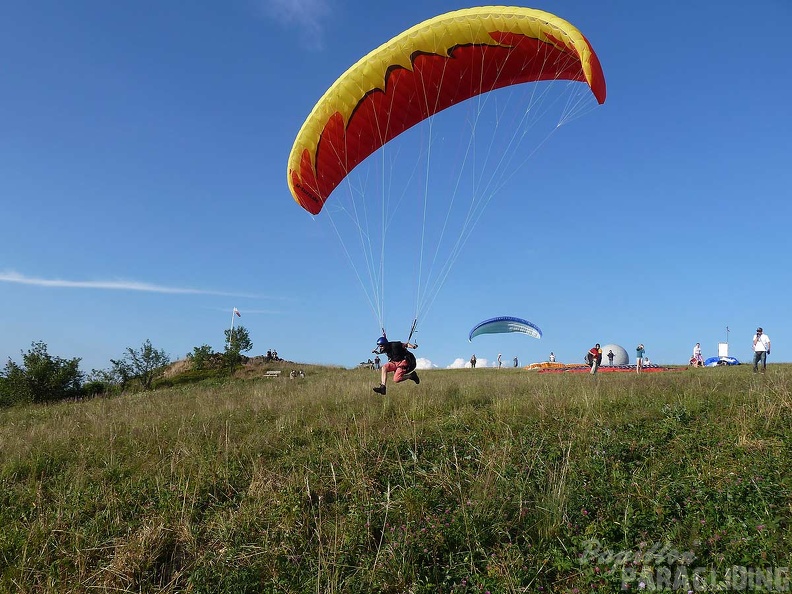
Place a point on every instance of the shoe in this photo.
(379, 390)
(414, 377)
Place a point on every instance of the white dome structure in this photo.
(620, 356)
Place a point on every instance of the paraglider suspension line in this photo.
(412, 330)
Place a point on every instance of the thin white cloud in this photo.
(306, 15)
(9, 276)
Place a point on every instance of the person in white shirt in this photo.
(698, 360)
(761, 346)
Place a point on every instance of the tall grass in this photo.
(473, 481)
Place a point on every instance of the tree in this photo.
(200, 357)
(40, 378)
(144, 365)
(5, 392)
(120, 373)
(114, 379)
(237, 341)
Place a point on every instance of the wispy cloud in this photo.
(9, 276)
(306, 15)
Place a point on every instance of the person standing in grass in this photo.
(610, 358)
(761, 347)
(698, 359)
(595, 358)
(401, 362)
(473, 361)
(640, 351)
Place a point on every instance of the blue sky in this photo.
(143, 152)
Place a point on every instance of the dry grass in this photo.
(491, 478)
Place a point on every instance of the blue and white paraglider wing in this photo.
(716, 361)
(504, 324)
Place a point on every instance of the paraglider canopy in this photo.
(505, 324)
(424, 70)
(715, 361)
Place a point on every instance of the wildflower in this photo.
(760, 527)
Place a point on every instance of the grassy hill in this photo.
(474, 481)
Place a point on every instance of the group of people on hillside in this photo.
(403, 365)
(272, 355)
(760, 345)
(761, 348)
(594, 358)
(515, 361)
(374, 363)
(499, 360)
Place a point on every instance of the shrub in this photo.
(41, 377)
(201, 357)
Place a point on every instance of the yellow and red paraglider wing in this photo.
(424, 70)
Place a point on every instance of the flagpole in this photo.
(231, 336)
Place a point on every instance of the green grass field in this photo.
(474, 481)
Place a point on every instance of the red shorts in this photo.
(399, 369)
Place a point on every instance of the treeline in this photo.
(42, 377)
